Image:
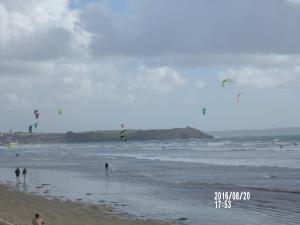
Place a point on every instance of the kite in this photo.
(122, 133)
(238, 97)
(59, 111)
(204, 111)
(35, 125)
(36, 113)
(30, 129)
(226, 81)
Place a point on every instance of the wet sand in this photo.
(18, 208)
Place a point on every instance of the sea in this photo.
(234, 181)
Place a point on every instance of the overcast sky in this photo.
(149, 64)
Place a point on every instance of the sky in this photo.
(149, 64)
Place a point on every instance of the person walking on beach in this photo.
(24, 172)
(38, 220)
(106, 168)
(17, 172)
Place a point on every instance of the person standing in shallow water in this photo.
(24, 172)
(17, 172)
(106, 168)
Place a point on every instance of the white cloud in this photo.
(200, 84)
(52, 83)
(264, 78)
(14, 90)
(48, 83)
(12, 25)
(12, 98)
(293, 1)
(161, 79)
(82, 82)
(28, 29)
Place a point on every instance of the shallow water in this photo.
(169, 179)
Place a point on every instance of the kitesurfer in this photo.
(106, 168)
(122, 133)
(17, 172)
(24, 173)
(30, 129)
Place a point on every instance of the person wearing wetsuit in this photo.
(17, 172)
(106, 168)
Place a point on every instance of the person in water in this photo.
(17, 172)
(38, 220)
(24, 172)
(106, 168)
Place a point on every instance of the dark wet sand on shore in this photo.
(18, 208)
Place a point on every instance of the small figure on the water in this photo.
(24, 172)
(38, 220)
(281, 146)
(17, 172)
(106, 168)
(163, 148)
(296, 144)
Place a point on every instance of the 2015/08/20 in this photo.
(237, 196)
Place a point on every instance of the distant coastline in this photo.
(98, 136)
(282, 131)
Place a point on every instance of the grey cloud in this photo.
(18, 4)
(195, 27)
(24, 68)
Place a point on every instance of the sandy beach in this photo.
(17, 208)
